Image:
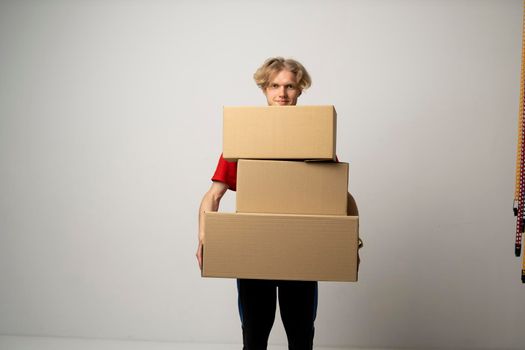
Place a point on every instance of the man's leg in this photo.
(257, 301)
(298, 305)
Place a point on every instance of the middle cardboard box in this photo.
(292, 187)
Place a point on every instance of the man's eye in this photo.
(290, 87)
(275, 86)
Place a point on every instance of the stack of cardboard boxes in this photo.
(292, 220)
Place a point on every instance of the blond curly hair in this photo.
(274, 65)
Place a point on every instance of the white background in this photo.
(110, 129)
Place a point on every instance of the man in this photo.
(282, 82)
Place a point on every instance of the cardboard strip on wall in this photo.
(292, 187)
(279, 132)
(278, 246)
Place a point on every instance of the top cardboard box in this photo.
(280, 132)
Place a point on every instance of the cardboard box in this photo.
(292, 187)
(279, 132)
(278, 246)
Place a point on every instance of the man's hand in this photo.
(199, 254)
(210, 202)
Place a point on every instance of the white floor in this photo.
(57, 343)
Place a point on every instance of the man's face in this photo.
(282, 89)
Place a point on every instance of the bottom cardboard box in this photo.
(279, 246)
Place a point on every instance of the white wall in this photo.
(110, 129)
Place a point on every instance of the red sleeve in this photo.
(226, 172)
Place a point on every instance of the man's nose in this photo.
(282, 91)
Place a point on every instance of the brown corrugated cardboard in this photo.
(292, 187)
(279, 132)
(278, 246)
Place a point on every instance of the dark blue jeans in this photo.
(298, 306)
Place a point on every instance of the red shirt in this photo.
(226, 172)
